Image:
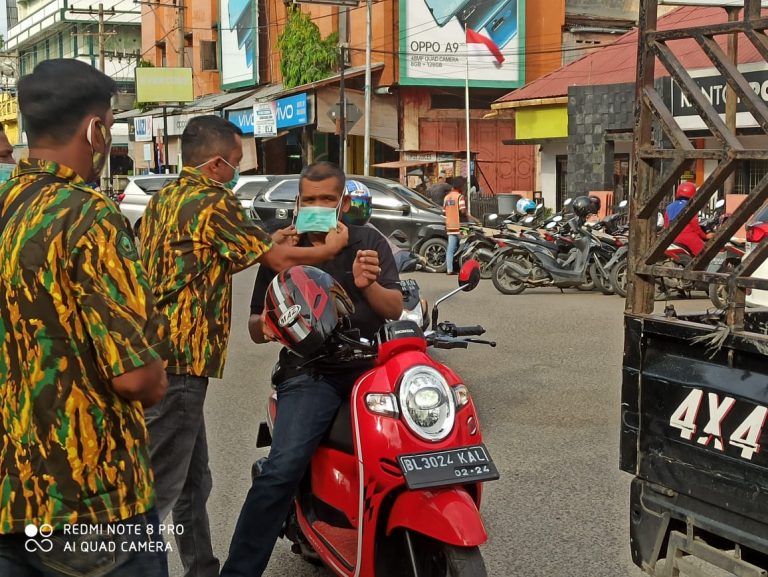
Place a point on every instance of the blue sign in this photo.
(292, 111)
(243, 119)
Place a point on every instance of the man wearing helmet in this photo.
(692, 236)
(309, 392)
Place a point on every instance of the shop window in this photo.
(620, 177)
(749, 174)
(208, 55)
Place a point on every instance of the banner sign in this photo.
(142, 126)
(433, 50)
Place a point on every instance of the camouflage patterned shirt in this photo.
(193, 236)
(75, 312)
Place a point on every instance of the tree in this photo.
(305, 56)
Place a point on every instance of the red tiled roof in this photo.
(615, 63)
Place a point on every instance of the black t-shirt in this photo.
(340, 268)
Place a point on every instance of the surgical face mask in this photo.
(6, 170)
(317, 218)
(99, 157)
(230, 184)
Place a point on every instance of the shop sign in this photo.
(420, 157)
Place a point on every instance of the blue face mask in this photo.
(6, 170)
(230, 184)
(317, 218)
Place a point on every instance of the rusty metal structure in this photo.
(662, 152)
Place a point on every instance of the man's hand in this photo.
(287, 236)
(366, 269)
(337, 238)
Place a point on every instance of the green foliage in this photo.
(144, 64)
(305, 56)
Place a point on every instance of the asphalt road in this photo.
(548, 399)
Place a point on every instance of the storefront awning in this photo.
(213, 102)
(275, 91)
(400, 164)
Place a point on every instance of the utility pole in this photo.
(342, 95)
(101, 34)
(182, 39)
(106, 181)
(367, 137)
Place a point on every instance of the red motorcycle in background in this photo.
(396, 485)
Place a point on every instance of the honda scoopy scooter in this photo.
(396, 485)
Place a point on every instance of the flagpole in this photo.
(466, 106)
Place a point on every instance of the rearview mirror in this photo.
(493, 217)
(623, 204)
(528, 220)
(469, 275)
(720, 203)
(551, 225)
(568, 202)
(557, 218)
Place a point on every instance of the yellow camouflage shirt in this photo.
(193, 236)
(75, 311)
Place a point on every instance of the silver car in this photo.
(138, 192)
(141, 188)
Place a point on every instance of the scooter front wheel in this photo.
(443, 560)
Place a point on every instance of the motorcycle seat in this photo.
(339, 435)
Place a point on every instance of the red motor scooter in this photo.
(395, 487)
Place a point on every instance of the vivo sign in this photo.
(288, 113)
(292, 111)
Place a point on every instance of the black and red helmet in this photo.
(303, 307)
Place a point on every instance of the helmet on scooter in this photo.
(582, 206)
(595, 203)
(303, 307)
(685, 190)
(525, 206)
(359, 212)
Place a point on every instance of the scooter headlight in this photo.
(427, 403)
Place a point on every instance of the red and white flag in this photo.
(479, 46)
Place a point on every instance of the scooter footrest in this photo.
(343, 541)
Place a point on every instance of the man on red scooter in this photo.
(310, 393)
(692, 236)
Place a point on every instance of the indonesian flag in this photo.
(479, 46)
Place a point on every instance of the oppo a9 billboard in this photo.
(238, 22)
(433, 49)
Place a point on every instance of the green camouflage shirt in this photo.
(194, 235)
(75, 312)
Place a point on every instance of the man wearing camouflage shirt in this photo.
(194, 236)
(81, 348)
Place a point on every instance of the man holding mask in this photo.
(310, 393)
(195, 236)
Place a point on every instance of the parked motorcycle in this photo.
(534, 265)
(396, 485)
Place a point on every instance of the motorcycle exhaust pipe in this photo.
(515, 271)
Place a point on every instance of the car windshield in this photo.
(412, 197)
(152, 184)
(286, 191)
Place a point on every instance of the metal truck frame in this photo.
(695, 387)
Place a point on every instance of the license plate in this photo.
(452, 467)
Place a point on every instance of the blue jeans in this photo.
(92, 555)
(178, 448)
(306, 406)
(450, 253)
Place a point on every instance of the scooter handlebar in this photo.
(469, 331)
